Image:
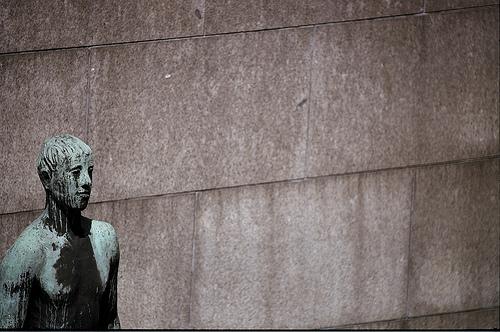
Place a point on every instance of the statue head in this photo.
(65, 168)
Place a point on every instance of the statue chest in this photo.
(69, 288)
(71, 272)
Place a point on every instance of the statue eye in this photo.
(75, 172)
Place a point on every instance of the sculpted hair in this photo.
(56, 150)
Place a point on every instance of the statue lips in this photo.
(84, 194)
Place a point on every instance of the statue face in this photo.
(71, 183)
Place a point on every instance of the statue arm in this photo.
(114, 321)
(17, 272)
(110, 293)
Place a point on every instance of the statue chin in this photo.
(81, 203)
(78, 202)
(84, 204)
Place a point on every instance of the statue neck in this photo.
(61, 219)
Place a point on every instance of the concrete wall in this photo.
(271, 164)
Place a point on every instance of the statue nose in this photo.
(86, 182)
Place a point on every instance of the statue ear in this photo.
(45, 178)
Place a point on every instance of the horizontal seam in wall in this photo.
(198, 36)
(456, 312)
(293, 180)
(402, 319)
(457, 9)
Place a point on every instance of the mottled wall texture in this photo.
(271, 163)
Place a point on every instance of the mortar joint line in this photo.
(410, 223)
(89, 93)
(193, 250)
(459, 9)
(88, 73)
(309, 99)
(204, 17)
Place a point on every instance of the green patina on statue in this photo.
(62, 270)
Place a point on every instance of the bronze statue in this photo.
(62, 270)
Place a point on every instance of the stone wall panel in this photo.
(131, 20)
(454, 259)
(234, 15)
(37, 24)
(41, 95)
(397, 92)
(302, 255)
(199, 113)
(155, 238)
(11, 226)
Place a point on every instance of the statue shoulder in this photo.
(104, 233)
(26, 255)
